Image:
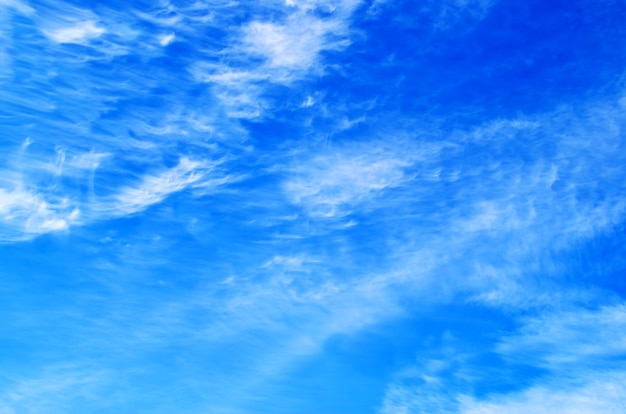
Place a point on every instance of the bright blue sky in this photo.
(314, 206)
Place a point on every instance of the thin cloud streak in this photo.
(79, 33)
(155, 188)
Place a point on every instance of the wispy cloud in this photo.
(292, 47)
(601, 393)
(154, 188)
(25, 214)
(78, 33)
(61, 179)
(448, 13)
(506, 194)
(570, 340)
(17, 5)
(52, 389)
(579, 353)
(242, 187)
(339, 178)
(282, 50)
(29, 208)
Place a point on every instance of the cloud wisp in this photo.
(330, 183)
(282, 51)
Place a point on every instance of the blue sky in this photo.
(316, 206)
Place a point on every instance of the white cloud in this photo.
(295, 43)
(24, 214)
(29, 208)
(165, 40)
(7, 56)
(155, 188)
(52, 389)
(78, 33)
(429, 386)
(581, 352)
(602, 393)
(508, 216)
(17, 5)
(309, 102)
(293, 46)
(333, 182)
(401, 399)
(276, 51)
(89, 160)
(290, 263)
(567, 339)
